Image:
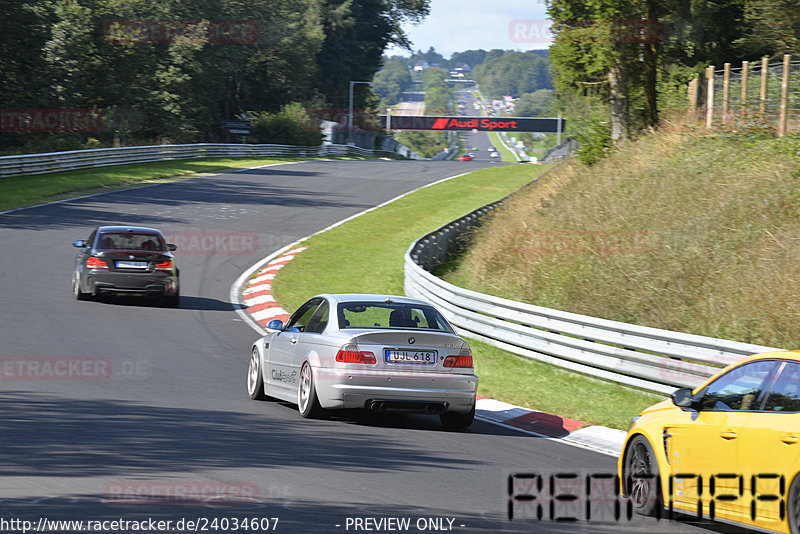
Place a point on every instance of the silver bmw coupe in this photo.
(377, 352)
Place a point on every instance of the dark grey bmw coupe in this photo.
(126, 260)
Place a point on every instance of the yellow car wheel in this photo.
(641, 478)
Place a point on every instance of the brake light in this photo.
(96, 263)
(350, 354)
(462, 360)
(164, 265)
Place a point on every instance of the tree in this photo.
(356, 35)
(512, 73)
(290, 126)
(391, 81)
(774, 28)
(473, 58)
(534, 104)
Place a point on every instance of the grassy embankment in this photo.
(19, 191)
(366, 255)
(680, 230)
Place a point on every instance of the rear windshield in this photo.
(131, 241)
(391, 316)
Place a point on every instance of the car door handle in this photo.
(294, 341)
(728, 435)
(790, 439)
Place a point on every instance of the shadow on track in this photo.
(47, 434)
(111, 207)
(187, 303)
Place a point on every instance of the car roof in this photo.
(337, 298)
(782, 354)
(137, 229)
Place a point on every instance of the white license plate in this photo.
(132, 265)
(424, 357)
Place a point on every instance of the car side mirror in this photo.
(171, 247)
(275, 324)
(81, 243)
(683, 398)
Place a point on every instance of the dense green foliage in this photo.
(512, 73)
(290, 126)
(536, 104)
(634, 56)
(391, 81)
(221, 58)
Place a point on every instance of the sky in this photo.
(458, 25)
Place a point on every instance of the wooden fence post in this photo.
(745, 65)
(764, 70)
(784, 95)
(726, 93)
(710, 96)
(693, 90)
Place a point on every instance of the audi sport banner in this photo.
(484, 124)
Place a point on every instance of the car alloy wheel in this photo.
(307, 401)
(641, 477)
(255, 381)
(76, 288)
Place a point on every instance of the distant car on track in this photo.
(697, 452)
(380, 353)
(466, 157)
(494, 155)
(126, 260)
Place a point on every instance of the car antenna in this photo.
(388, 300)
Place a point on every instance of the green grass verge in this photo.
(20, 191)
(524, 382)
(366, 255)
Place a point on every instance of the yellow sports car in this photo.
(728, 450)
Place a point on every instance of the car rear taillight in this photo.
(350, 354)
(164, 265)
(458, 361)
(464, 358)
(96, 263)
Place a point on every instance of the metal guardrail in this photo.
(83, 159)
(640, 356)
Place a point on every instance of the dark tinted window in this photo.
(740, 388)
(784, 396)
(319, 319)
(303, 315)
(391, 316)
(130, 241)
